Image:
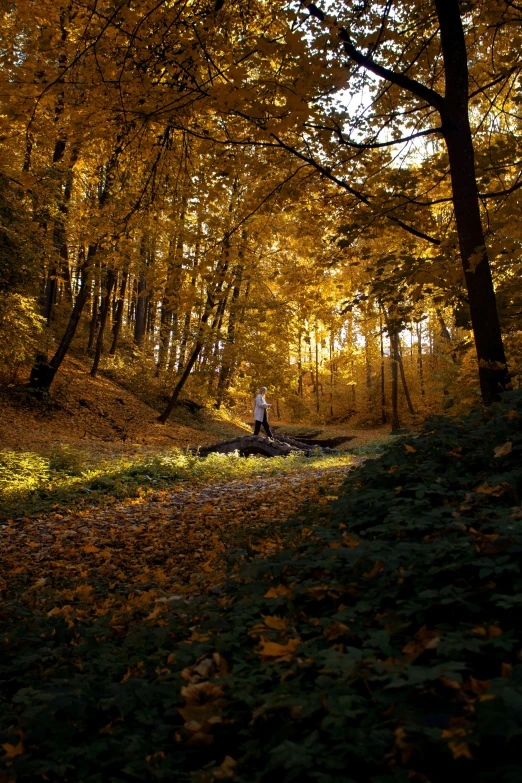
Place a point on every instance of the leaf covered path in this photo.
(144, 552)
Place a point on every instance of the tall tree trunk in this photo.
(383, 378)
(151, 314)
(331, 373)
(213, 300)
(445, 334)
(395, 359)
(493, 373)
(316, 374)
(96, 291)
(300, 366)
(181, 383)
(118, 316)
(104, 312)
(170, 305)
(141, 310)
(368, 361)
(42, 374)
(419, 358)
(228, 353)
(403, 378)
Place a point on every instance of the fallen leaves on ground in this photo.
(140, 555)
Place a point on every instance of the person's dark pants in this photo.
(258, 424)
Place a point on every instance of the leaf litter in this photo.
(141, 554)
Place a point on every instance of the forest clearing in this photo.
(260, 391)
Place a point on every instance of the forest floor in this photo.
(101, 419)
(289, 618)
(96, 416)
(158, 546)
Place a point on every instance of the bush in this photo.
(21, 330)
(22, 472)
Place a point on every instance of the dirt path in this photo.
(139, 555)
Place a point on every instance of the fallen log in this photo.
(248, 445)
(331, 443)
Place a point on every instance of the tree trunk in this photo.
(493, 373)
(94, 315)
(403, 379)
(445, 334)
(383, 379)
(104, 312)
(42, 374)
(141, 310)
(419, 358)
(228, 353)
(394, 351)
(181, 383)
(299, 367)
(331, 374)
(316, 375)
(212, 300)
(118, 317)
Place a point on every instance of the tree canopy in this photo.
(202, 197)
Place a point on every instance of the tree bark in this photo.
(94, 315)
(493, 372)
(42, 374)
(299, 366)
(118, 316)
(104, 312)
(331, 373)
(403, 379)
(213, 300)
(383, 379)
(181, 383)
(316, 374)
(419, 358)
(141, 310)
(394, 346)
(228, 357)
(445, 334)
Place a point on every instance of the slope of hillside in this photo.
(97, 416)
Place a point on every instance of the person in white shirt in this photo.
(260, 413)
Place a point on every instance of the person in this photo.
(260, 413)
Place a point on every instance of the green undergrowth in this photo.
(383, 644)
(31, 483)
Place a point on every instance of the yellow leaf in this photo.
(457, 743)
(485, 489)
(460, 750)
(350, 542)
(226, 769)
(12, 750)
(270, 649)
(276, 623)
(377, 568)
(501, 451)
(171, 658)
(84, 592)
(90, 549)
(457, 686)
(409, 448)
(277, 592)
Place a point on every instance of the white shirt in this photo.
(260, 407)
